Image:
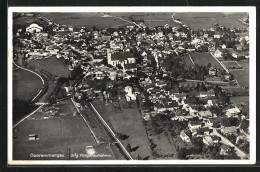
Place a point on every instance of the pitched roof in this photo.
(122, 56)
(205, 113)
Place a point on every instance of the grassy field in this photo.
(241, 100)
(128, 122)
(26, 85)
(205, 58)
(206, 20)
(242, 76)
(52, 65)
(230, 64)
(56, 136)
(87, 20)
(187, 60)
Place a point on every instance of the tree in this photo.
(77, 72)
(182, 153)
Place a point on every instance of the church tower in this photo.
(109, 57)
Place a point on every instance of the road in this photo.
(93, 134)
(28, 115)
(111, 132)
(239, 153)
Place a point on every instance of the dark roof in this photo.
(98, 57)
(122, 56)
(130, 66)
(190, 101)
(181, 112)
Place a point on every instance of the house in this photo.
(97, 59)
(218, 53)
(184, 136)
(129, 94)
(229, 130)
(212, 71)
(211, 140)
(194, 124)
(207, 94)
(208, 141)
(213, 102)
(129, 67)
(205, 114)
(226, 149)
(34, 28)
(203, 132)
(181, 115)
(232, 112)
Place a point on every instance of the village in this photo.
(179, 79)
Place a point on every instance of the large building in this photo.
(120, 58)
(34, 28)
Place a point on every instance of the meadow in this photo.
(205, 58)
(129, 122)
(204, 20)
(242, 76)
(56, 136)
(54, 66)
(26, 85)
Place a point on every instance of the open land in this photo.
(52, 65)
(242, 76)
(26, 85)
(205, 58)
(127, 122)
(88, 21)
(231, 64)
(56, 136)
(206, 20)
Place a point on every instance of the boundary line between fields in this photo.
(92, 132)
(191, 60)
(219, 62)
(112, 133)
(27, 116)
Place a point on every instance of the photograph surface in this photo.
(131, 85)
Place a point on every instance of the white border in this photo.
(252, 86)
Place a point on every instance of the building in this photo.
(218, 53)
(205, 114)
(226, 149)
(184, 136)
(232, 112)
(212, 71)
(229, 130)
(34, 28)
(120, 58)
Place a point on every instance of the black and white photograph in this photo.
(131, 85)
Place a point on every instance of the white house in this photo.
(218, 53)
(129, 94)
(184, 136)
(232, 112)
(34, 28)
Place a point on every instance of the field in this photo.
(52, 65)
(231, 64)
(87, 20)
(151, 19)
(205, 58)
(127, 122)
(206, 20)
(56, 136)
(187, 60)
(241, 100)
(26, 85)
(242, 76)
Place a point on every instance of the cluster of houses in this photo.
(105, 54)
